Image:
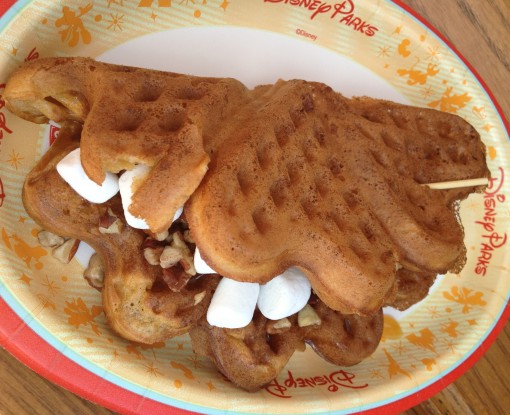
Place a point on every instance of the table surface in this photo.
(481, 33)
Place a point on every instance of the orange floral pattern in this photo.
(74, 28)
(80, 314)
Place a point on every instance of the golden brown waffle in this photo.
(334, 186)
(136, 301)
(251, 357)
(412, 287)
(131, 116)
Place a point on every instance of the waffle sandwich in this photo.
(285, 175)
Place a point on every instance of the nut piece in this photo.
(186, 260)
(283, 323)
(49, 239)
(308, 317)
(178, 240)
(109, 223)
(94, 274)
(169, 251)
(278, 326)
(170, 256)
(187, 265)
(65, 252)
(187, 236)
(152, 255)
(175, 278)
(161, 236)
(199, 297)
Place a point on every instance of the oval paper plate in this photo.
(53, 321)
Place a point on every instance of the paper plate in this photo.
(53, 321)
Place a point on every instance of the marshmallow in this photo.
(71, 170)
(178, 213)
(126, 193)
(284, 295)
(139, 172)
(233, 304)
(200, 265)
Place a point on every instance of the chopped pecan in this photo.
(175, 278)
(170, 256)
(153, 255)
(94, 273)
(49, 239)
(199, 297)
(308, 317)
(178, 240)
(110, 223)
(161, 236)
(187, 236)
(151, 243)
(65, 252)
(278, 326)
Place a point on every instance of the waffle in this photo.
(291, 174)
(136, 301)
(251, 357)
(334, 186)
(130, 116)
(411, 288)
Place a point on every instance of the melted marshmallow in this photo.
(71, 170)
(233, 304)
(139, 172)
(284, 295)
(200, 265)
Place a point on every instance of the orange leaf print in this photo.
(186, 372)
(79, 314)
(132, 348)
(74, 27)
(23, 250)
(450, 102)
(424, 339)
(465, 296)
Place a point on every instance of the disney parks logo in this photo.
(333, 382)
(343, 12)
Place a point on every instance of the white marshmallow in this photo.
(140, 171)
(200, 265)
(178, 214)
(71, 170)
(284, 295)
(126, 193)
(233, 304)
